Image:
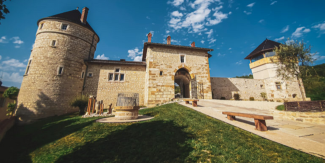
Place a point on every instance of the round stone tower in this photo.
(56, 69)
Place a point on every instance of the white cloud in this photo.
(230, 13)
(229, 49)
(135, 54)
(273, 2)
(3, 39)
(175, 41)
(147, 17)
(279, 39)
(182, 8)
(320, 26)
(212, 40)
(221, 55)
(209, 33)
(202, 41)
(219, 16)
(17, 40)
(13, 63)
(251, 4)
(13, 77)
(0, 57)
(247, 13)
(318, 57)
(102, 57)
(17, 46)
(261, 21)
(167, 31)
(285, 29)
(25, 60)
(176, 2)
(177, 14)
(299, 32)
(239, 63)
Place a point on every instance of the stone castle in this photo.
(62, 67)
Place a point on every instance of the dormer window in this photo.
(64, 27)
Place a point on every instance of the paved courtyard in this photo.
(306, 137)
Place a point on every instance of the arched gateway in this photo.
(183, 80)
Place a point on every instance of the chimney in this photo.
(149, 37)
(168, 40)
(193, 44)
(84, 14)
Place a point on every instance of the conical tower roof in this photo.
(264, 46)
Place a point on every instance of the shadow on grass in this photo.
(155, 141)
(20, 141)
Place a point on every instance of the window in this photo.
(262, 86)
(294, 95)
(257, 58)
(161, 73)
(116, 77)
(278, 85)
(53, 43)
(90, 74)
(117, 70)
(64, 26)
(121, 77)
(110, 77)
(82, 74)
(41, 26)
(60, 70)
(182, 58)
(28, 66)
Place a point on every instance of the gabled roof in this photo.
(115, 62)
(266, 45)
(71, 16)
(146, 44)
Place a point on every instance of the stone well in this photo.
(127, 106)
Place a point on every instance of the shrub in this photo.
(222, 98)
(11, 107)
(263, 95)
(81, 102)
(237, 96)
(251, 99)
(12, 93)
(280, 107)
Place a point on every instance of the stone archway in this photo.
(183, 80)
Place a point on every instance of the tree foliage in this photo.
(250, 76)
(11, 92)
(81, 102)
(3, 9)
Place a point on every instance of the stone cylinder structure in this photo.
(56, 69)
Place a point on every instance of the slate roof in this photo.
(146, 44)
(266, 45)
(71, 16)
(115, 62)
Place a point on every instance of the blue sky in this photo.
(233, 28)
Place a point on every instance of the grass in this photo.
(280, 107)
(176, 134)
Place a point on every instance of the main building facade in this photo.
(62, 67)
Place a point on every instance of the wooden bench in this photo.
(258, 119)
(194, 102)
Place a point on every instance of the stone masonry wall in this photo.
(161, 88)
(43, 92)
(100, 86)
(227, 87)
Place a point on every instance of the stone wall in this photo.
(100, 86)
(227, 87)
(43, 92)
(166, 59)
(308, 117)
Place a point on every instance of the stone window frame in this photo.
(119, 73)
(58, 70)
(92, 74)
(62, 26)
(278, 84)
(51, 43)
(82, 74)
(28, 66)
(180, 60)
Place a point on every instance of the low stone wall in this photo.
(308, 117)
(305, 106)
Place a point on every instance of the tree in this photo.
(81, 102)
(3, 9)
(11, 93)
(289, 56)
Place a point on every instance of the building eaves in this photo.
(266, 45)
(99, 61)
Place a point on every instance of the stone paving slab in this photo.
(301, 136)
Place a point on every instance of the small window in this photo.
(121, 77)
(278, 85)
(90, 74)
(182, 58)
(117, 70)
(294, 95)
(53, 43)
(116, 77)
(161, 73)
(82, 74)
(262, 86)
(28, 66)
(64, 26)
(41, 26)
(60, 70)
(110, 76)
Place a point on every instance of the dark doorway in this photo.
(182, 82)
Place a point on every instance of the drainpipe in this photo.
(92, 42)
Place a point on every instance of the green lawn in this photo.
(176, 134)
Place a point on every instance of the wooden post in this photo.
(194, 103)
(110, 109)
(187, 102)
(94, 105)
(89, 105)
(230, 117)
(260, 125)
